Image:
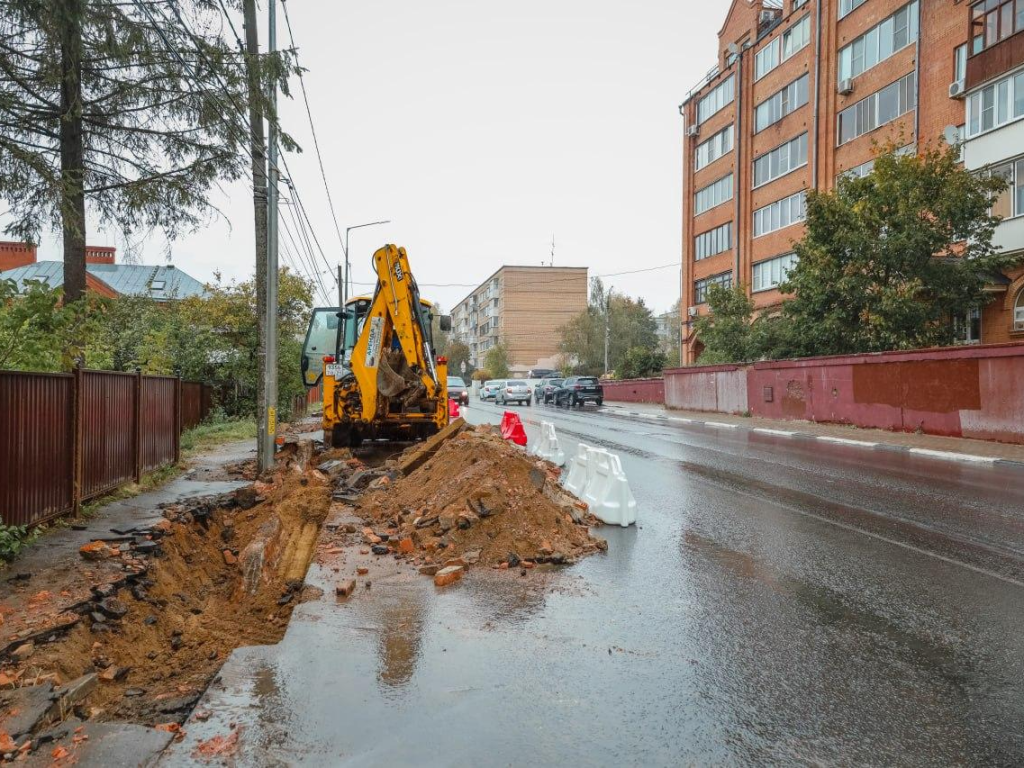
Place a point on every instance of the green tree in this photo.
(459, 353)
(889, 259)
(497, 360)
(641, 363)
(38, 332)
(134, 108)
(726, 330)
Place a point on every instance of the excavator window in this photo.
(321, 339)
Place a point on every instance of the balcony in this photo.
(996, 36)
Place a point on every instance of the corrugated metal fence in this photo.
(67, 438)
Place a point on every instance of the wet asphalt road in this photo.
(781, 602)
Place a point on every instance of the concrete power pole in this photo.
(259, 199)
(270, 361)
(607, 325)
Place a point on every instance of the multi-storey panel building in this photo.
(803, 92)
(523, 307)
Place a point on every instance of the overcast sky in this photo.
(481, 129)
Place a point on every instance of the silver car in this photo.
(514, 391)
(490, 389)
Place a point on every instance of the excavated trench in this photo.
(221, 578)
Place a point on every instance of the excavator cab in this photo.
(322, 339)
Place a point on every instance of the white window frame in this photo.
(1018, 311)
(776, 156)
(1004, 96)
(713, 242)
(964, 325)
(865, 168)
(1015, 180)
(782, 103)
(769, 274)
(846, 7)
(783, 47)
(717, 99)
(714, 194)
(878, 43)
(700, 287)
(780, 214)
(865, 112)
(715, 148)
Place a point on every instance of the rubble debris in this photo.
(448, 575)
(482, 500)
(346, 588)
(96, 550)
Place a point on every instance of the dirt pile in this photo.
(218, 574)
(479, 499)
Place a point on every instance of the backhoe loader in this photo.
(381, 377)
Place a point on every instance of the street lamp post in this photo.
(347, 277)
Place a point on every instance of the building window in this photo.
(994, 21)
(780, 104)
(157, 285)
(780, 214)
(862, 170)
(799, 4)
(995, 104)
(713, 242)
(847, 6)
(1018, 312)
(714, 148)
(968, 328)
(715, 193)
(783, 47)
(772, 273)
(880, 42)
(960, 61)
(717, 99)
(781, 160)
(1011, 202)
(700, 287)
(879, 108)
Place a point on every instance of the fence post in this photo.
(137, 437)
(77, 397)
(177, 419)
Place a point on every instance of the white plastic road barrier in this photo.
(576, 477)
(547, 446)
(607, 490)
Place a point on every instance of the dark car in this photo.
(545, 390)
(457, 390)
(579, 390)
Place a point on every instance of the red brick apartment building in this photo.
(801, 93)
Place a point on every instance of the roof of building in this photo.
(161, 283)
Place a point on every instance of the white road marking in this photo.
(767, 431)
(846, 441)
(721, 424)
(680, 420)
(950, 456)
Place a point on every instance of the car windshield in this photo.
(455, 381)
(556, 382)
(517, 384)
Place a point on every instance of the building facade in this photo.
(803, 92)
(524, 308)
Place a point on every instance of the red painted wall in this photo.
(635, 391)
(975, 392)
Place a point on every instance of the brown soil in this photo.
(197, 604)
(480, 493)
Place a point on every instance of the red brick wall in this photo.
(635, 391)
(13, 255)
(98, 254)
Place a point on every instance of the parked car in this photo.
(579, 390)
(490, 389)
(545, 390)
(457, 390)
(514, 391)
(543, 373)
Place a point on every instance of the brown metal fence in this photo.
(67, 438)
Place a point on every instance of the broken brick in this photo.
(96, 550)
(346, 588)
(229, 557)
(406, 546)
(362, 571)
(448, 575)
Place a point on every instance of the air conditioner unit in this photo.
(693, 131)
(957, 89)
(692, 312)
(846, 86)
(767, 17)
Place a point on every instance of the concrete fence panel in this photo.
(634, 391)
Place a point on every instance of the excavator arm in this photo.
(392, 360)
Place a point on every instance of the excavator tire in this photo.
(345, 437)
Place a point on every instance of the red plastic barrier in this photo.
(453, 410)
(512, 428)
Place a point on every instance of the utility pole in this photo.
(607, 325)
(270, 361)
(259, 199)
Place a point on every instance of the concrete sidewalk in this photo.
(953, 448)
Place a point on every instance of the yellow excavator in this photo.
(381, 377)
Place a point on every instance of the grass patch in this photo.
(215, 433)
